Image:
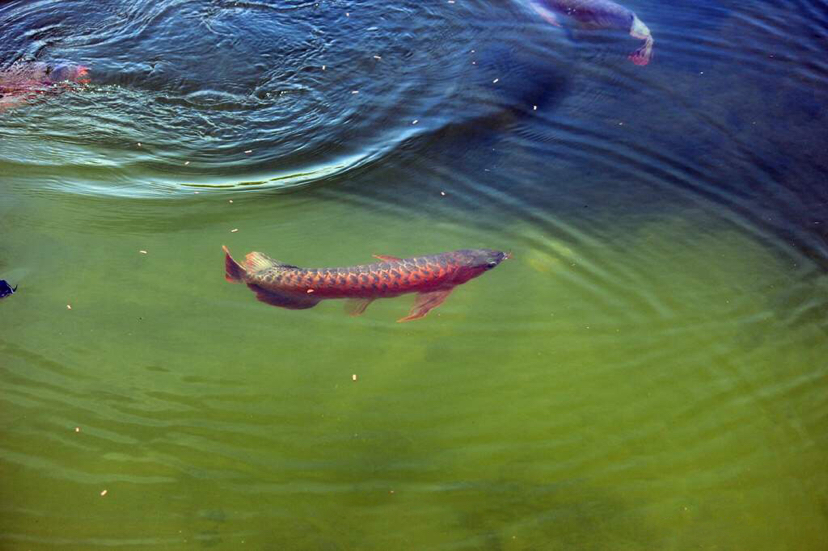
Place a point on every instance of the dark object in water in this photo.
(432, 277)
(6, 289)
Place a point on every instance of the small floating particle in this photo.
(620, 124)
(355, 91)
(347, 14)
(234, 230)
(443, 193)
(68, 306)
(142, 252)
(104, 493)
(248, 152)
(323, 67)
(354, 377)
(392, 491)
(309, 291)
(495, 81)
(377, 57)
(415, 121)
(139, 144)
(196, 192)
(230, 201)
(534, 108)
(186, 163)
(77, 429)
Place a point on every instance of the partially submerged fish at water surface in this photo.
(432, 277)
(6, 289)
(24, 81)
(600, 14)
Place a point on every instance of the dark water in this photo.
(648, 372)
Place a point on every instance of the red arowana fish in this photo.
(433, 277)
(600, 14)
(24, 81)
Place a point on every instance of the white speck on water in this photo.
(495, 81)
(415, 121)
(142, 251)
(354, 377)
(234, 230)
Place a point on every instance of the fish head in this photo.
(638, 29)
(69, 72)
(481, 260)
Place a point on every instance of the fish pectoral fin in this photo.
(284, 300)
(356, 306)
(386, 257)
(425, 303)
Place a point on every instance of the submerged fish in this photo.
(433, 277)
(24, 81)
(600, 14)
(6, 289)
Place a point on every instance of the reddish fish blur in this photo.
(25, 81)
(599, 14)
(432, 277)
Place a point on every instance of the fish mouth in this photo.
(83, 75)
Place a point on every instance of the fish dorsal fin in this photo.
(387, 258)
(257, 262)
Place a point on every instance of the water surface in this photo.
(647, 372)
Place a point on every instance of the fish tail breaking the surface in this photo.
(233, 271)
(644, 54)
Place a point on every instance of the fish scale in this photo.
(433, 277)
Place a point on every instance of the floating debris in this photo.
(77, 429)
(234, 230)
(104, 493)
(354, 377)
(142, 252)
(68, 306)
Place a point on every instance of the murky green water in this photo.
(648, 372)
(651, 392)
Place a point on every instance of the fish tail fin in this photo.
(233, 271)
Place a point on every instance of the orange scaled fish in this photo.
(433, 277)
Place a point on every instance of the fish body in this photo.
(600, 14)
(433, 277)
(26, 80)
(6, 289)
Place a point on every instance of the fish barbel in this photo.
(433, 277)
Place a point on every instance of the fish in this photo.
(24, 81)
(432, 277)
(600, 14)
(6, 289)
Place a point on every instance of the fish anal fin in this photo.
(283, 300)
(387, 258)
(356, 306)
(425, 303)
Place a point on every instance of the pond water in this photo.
(647, 372)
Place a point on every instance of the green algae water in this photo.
(658, 391)
(648, 370)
